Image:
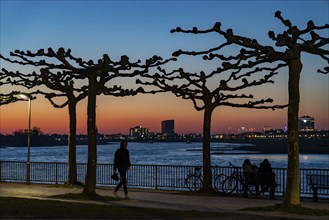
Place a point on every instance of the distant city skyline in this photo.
(141, 29)
(306, 124)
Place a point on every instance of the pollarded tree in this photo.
(71, 102)
(59, 82)
(295, 42)
(236, 75)
(96, 76)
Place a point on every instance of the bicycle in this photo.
(235, 180)
(194, 181)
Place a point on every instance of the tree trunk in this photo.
(207, 177)
(90, 181)
(72, 162)
(292, 196)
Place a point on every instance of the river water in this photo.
(161, 153)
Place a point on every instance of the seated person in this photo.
(249, 174)
(266, 177)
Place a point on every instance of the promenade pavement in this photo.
(231, 205)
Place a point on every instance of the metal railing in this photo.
(167, 177)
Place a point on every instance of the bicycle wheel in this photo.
(230, 184)
(218, 182)
(193, 183)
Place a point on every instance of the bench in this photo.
(251, 183)
(317, 181)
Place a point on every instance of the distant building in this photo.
(285, 129)
(306, 123)
(266, 128)
(139, 132)
(168, 127)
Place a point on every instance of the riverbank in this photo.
(280, 146)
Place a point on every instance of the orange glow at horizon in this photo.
(117, 115)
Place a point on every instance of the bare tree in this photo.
(236, 74)
(295, 41)
(59, 82)
(95, 76)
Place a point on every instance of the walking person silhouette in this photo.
(122, 164)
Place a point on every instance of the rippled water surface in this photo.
(178, 153)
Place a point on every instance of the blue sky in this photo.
(141, 29)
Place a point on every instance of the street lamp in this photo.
(28, 97)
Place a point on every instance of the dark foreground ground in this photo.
(20, 201)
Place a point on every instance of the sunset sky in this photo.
(141, 29)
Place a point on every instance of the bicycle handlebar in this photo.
(231, 165)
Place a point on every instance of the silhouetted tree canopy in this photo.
(236, 73)
(60, 71)
(293, 42)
